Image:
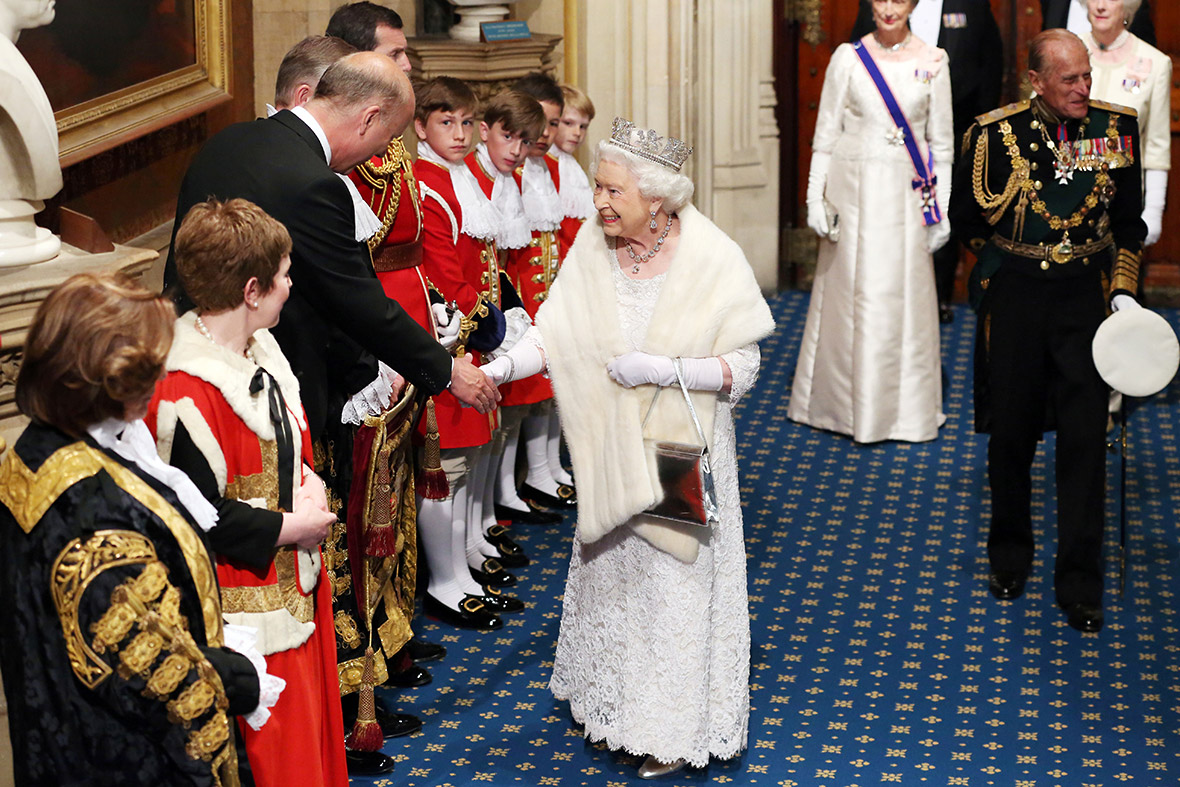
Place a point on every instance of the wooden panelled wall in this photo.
(806, 32)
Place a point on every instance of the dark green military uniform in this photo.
(1051, 209)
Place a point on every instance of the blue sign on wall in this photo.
(514, 30)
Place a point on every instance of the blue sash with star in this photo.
(925, 180)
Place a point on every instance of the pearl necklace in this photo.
(204, 329)
(641, 258)
(1122, 38)
(900, 45)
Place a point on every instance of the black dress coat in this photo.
(1055, 13)
(92, 701)
(338, 320)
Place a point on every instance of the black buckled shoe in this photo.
(532, 516)
(946, 315)
(367, 763)
(421, 650)
(511, 555)
(471, 614)
(1007, 585)
(409, 678)
(1084, 617)
(498, 602)
(492, 574)
(564, 500)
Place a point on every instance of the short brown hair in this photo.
(540, 86)
(305, 63)
(517, 113)
(443, 94)
(97, 343)
(221, 245)
(578, 101)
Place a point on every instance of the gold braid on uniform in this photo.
(1125, 276)
(386, 177)
(142, 622)
(995, 205)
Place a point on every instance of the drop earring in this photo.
(653, 225)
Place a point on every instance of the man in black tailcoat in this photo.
(968, 32)
(1047, 195)
(338, 321)
(1055, 13)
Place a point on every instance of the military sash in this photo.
(924, 181)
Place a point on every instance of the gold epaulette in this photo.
(1109, 107)
(1002, 112)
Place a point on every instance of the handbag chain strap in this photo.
(676, 365)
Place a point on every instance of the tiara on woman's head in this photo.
(668, 151)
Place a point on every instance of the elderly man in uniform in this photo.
(1047, 195)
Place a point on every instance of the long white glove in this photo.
(446, 324)
(636, 368)
(938, 234)
(817, 179)
(1124, 301)
(524, 360)
(1155, 196)
(516, 323)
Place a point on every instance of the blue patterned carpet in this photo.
(878, 656)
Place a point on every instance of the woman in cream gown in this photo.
(869, 361)
(1127, 70)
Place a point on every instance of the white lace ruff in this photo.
(653, 653)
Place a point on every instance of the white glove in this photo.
(1124, 301)
(817, 180)
(1155, 196)
(636, 368)
(516, 322)
(524, 360)
(446, 324)
(938, 234)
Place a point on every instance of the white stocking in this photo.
(441, 533)
(505, 467)
(556, 470)
(535, 436)
(478, 547)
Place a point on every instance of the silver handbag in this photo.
(685, 475)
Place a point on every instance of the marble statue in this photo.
(29, 169)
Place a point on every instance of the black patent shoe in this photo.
(409, 678)
(946, 315)
(367, 763)
(511, 555)
(1084, 617)
(564, 500)
(395, 725)
(492, 574)
(420, 650)
(532, 516)
(471, 614)
(498, 602)
(1007, 585)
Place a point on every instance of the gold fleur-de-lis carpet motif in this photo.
(878, 655)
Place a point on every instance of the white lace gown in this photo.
(654, 654)
(869, 360)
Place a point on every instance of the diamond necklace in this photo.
(900, 45)
(638, 259)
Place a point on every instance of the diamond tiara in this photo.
(668, 151)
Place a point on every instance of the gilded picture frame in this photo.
(171, 89)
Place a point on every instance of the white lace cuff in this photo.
(242, 639)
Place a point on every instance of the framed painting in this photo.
(118, 69)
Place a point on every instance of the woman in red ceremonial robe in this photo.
(228, 414)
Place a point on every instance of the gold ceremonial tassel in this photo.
(380, 538)
(432, 481)
(366, 734)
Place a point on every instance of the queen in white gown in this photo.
(868, 364)
(654, 650)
